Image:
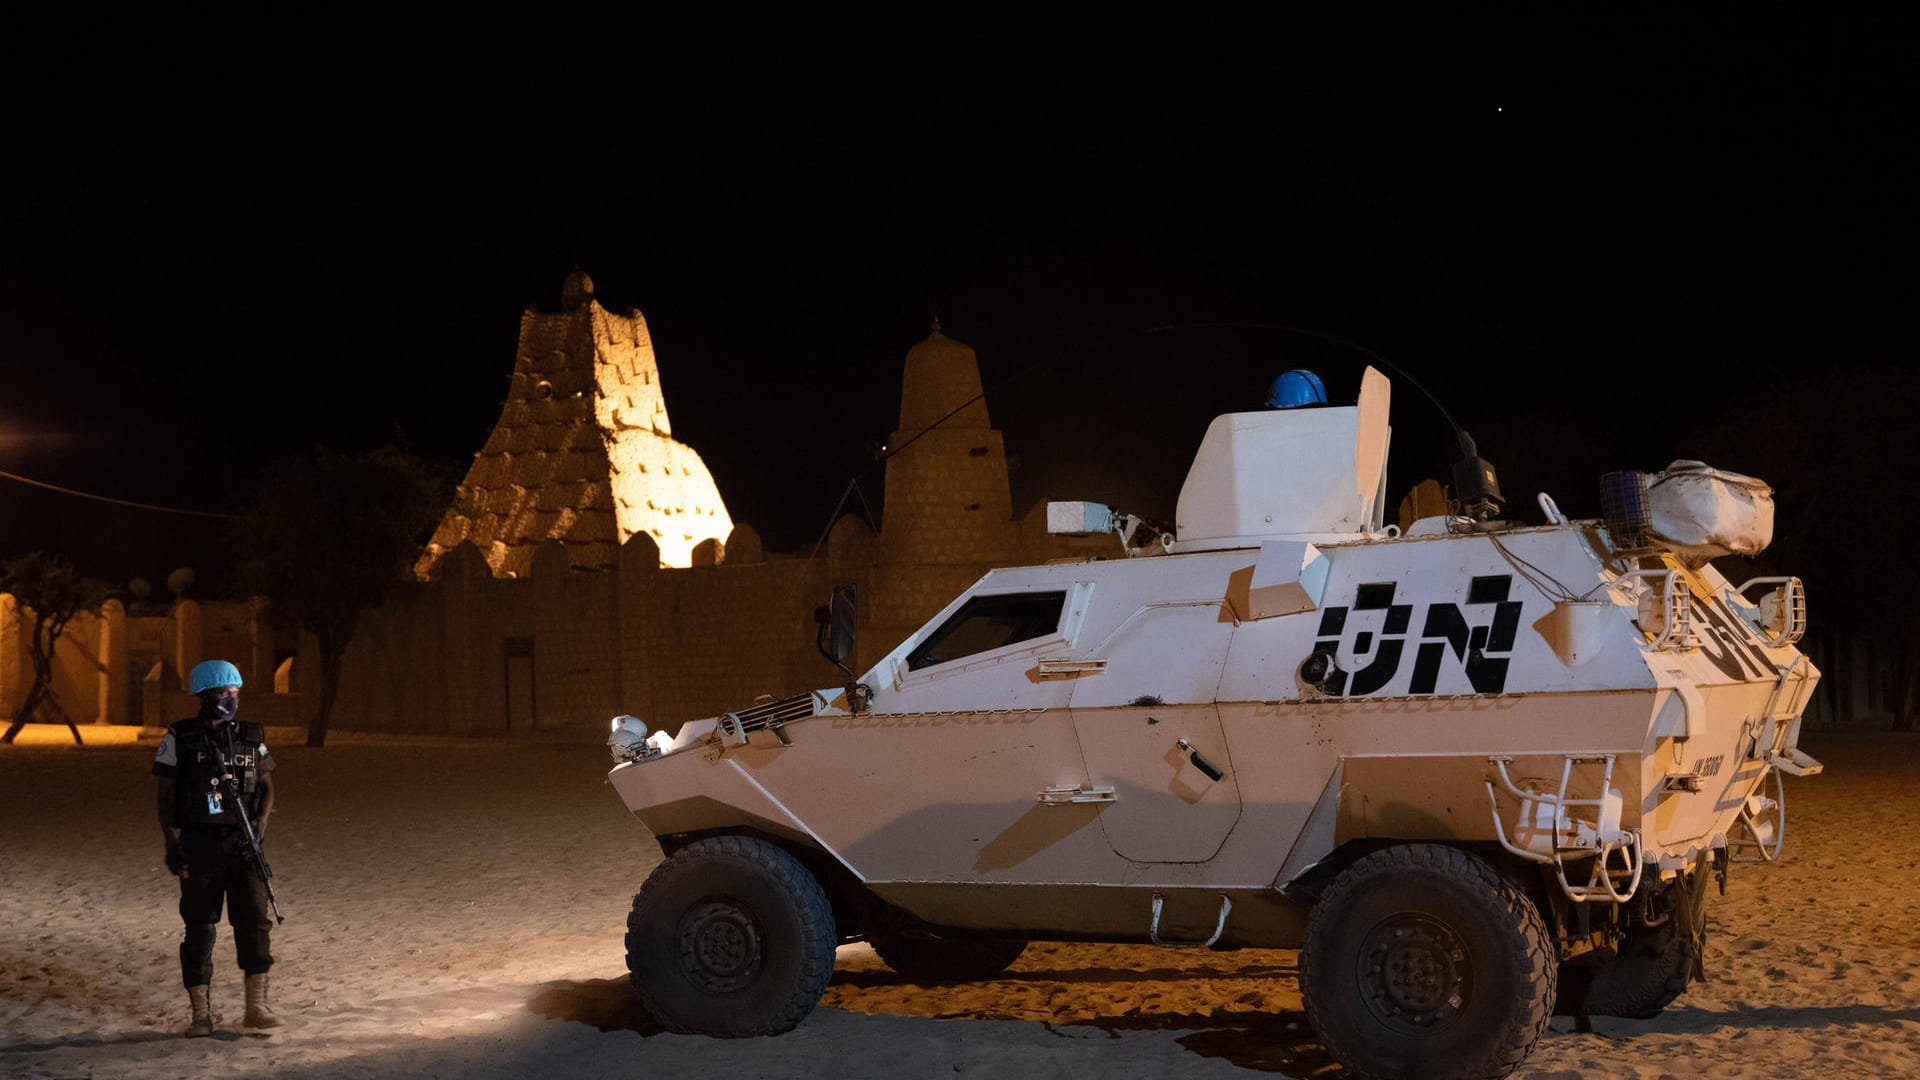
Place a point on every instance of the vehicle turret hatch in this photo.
(1288, 473)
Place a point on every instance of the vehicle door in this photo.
(1149, 729)
(946, 779)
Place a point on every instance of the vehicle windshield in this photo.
(985, 623)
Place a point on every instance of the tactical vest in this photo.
(200, 797)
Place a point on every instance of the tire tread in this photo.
(812, 907)
(1645, 979)
(1535, 965)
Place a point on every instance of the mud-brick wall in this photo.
(904, 596)
(101, 656)
(434, 657)
(558, 627)
(394, 673)
(87, 659)
(704, 640)
(664, 644)
(576, 654)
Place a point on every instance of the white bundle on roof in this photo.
(1703, 512)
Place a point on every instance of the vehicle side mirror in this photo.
(836, 619)
(834, 637)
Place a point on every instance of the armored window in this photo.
(985, 623)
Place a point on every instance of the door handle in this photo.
(1213, 771)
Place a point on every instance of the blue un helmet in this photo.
(1295, 388)
(212, 675)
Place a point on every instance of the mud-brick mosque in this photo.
(588, 565)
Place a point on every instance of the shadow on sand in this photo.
(1280, 1042)
(606, 1004)
(1267, 1042)
(86, 1042)
(1686, 1019)
(881, 978)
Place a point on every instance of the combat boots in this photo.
(202, 1023)
(259, 1013)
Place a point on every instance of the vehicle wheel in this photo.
(1649, 972)
(1422, 961)
(730, 936)
(947, 960)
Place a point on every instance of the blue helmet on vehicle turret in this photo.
(1295, 388)
(212, 675)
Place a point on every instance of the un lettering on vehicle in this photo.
(1379, 636)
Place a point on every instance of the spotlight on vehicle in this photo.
(628, 740)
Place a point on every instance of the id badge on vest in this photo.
(213, 804)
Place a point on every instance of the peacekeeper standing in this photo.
(206, 846)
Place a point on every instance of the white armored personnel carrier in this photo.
(1469, 769)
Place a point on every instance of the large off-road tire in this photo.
(1423, 961)
(947, 960)
(730, 936)
(1650, 971)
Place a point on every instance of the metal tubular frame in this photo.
(1761, 851)
(1678, 633)
(1600, 885)
(1153, 928)
(1796, 604)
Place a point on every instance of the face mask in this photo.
(221, 709)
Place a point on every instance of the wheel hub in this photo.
(1414, 972)
(720, 946)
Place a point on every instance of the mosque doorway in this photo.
(520, 687)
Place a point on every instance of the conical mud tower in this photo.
(582, 454)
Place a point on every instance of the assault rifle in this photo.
(231, 786)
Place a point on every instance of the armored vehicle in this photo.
(1472, 770)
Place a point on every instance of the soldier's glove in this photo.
(176, 859)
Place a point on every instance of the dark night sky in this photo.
(1533, 220)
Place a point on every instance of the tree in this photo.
(1834, 442)
(328, 536)
(49, 588)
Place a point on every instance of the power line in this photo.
(116, 502)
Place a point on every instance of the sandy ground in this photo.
(456, 910)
